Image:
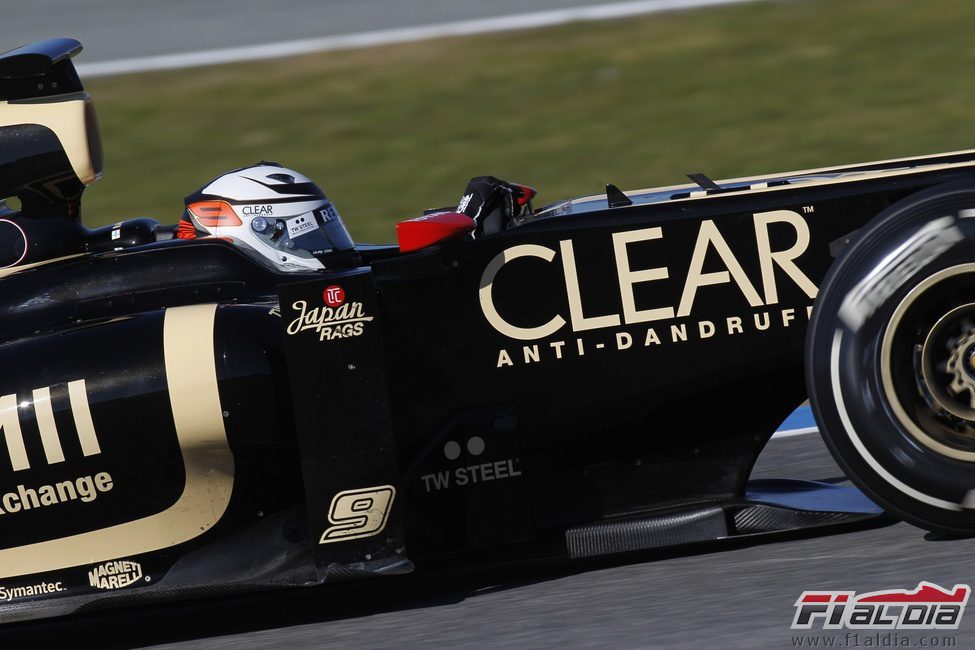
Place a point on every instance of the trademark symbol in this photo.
(808, 209)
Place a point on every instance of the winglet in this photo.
(615, 197)
(705, 182)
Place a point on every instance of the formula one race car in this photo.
(199, 407)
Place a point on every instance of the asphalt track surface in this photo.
(117, 29)
(719, 595)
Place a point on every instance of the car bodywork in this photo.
(179, 418)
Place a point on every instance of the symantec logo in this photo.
(928, 607)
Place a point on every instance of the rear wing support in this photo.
(50, 147)
(41, 69)
(50, 150)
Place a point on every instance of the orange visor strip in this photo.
(214, 214)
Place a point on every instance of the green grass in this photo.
(389, 131)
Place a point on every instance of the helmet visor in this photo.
(314, 234)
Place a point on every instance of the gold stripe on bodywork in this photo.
(66, 117)
(14, 437)
(46, 426)
(78, 396)
(192, 379)
(10, 270)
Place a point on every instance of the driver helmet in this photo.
(271, 212)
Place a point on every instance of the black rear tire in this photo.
(891, 342)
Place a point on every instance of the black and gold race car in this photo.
(596, 376)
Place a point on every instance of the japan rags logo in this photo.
(336, 319)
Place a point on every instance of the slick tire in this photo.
(890, 359)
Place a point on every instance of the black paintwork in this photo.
(493, 445)
(40, 69)
(566, 441)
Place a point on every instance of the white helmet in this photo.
(272, 211)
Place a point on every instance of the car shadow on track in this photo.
(202, 618)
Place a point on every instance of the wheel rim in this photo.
(928, 362)
(947, 354)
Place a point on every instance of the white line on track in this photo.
(391, 36)
(794, 432)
